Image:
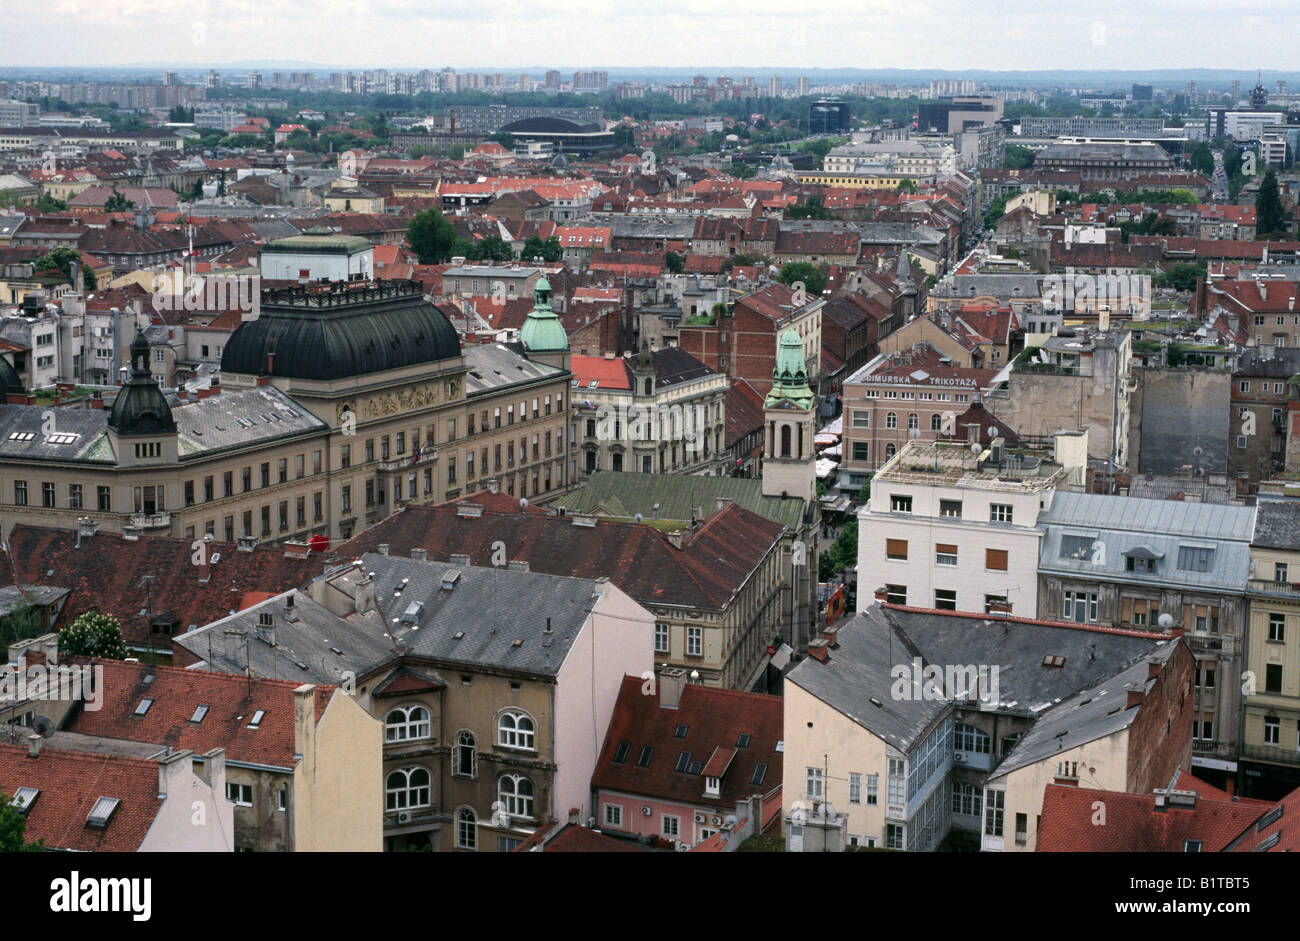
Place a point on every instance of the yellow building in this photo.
(1270, 733)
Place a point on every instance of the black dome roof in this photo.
(141, 408)
(548, 126)
(340, 333)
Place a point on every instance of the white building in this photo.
(953, 525)
(913, 158)
(318, 253)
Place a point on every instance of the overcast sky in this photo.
(756, 34)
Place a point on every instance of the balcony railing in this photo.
(1276, 754)
(150, 520)
(396, 467)
(1278, 589)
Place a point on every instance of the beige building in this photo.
(335, 407)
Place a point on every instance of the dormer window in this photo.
(712, 787)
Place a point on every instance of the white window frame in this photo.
(513, 735)
(408, 727)
(614, 815)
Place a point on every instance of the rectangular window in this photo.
(855, 788)
(945, 554)
(896, 549)
(345, 456)
(105, 498)
(893, 836)
(299, 469)
(815, 784)
(896, 594)
(1195, 558)
(995, 807)
(266, 474)
(284, 516)
(1079, 606)
(661, 637)
(861, 451)
(228, 483)
(995, 560)
(283, 468)
(1272, 730)
(347, 499)
(694, 641)
(671, 826)
(74, 496)
(240, 794)
(861, 419)
(945, 599)
(189, 493)
(899, 503)
(950, 508)
(247, 474)
(1076, 546)
(1272, 677)
(613, 815)
(20, 493)
(47, 494)
(1277, 627)
(873, 788)
(207, 489)
(999, 512)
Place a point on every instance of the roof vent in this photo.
(246, 543)
(459, 558)
(519, 566)
(420, 555)
(450, 578)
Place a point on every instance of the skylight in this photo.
(643, 760)
(23, 798)
(199, 713)
(102, 812)
(143, 707)
(257, 718)
(743, 741)
(62, 437)
(760, 771)
(620, 755)
(680, 731)
(22, 435)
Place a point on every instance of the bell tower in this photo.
(789, 460)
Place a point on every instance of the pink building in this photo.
(685, 763)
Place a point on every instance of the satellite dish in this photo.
(976, 447)
(1166, 619)
(523, 502)
(43, 726)
(639, 517)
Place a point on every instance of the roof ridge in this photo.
(91, 756)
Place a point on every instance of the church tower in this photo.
(542, 334)
(789, 462)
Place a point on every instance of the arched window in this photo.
(516, 795)
(649, 387)
(889, 450)
(936, 422)
(515, 730)
(407, 722)
(891, 419)
(466, 829)
(408, 787)
(913, 422)
(463, 756)
(785, 441)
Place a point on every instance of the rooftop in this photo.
(956, 463)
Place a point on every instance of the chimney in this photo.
(1153, 669)
(675, 538)
(518, 566)
(459, 558)
(832, 637)
(819, 650)
(420, 555)
(1136, 695)
(723, 503)
(296, 550)
(383, 548)
(575, 816)
(493, 485)
(365, 596)
(202, 394)
(174, 767)
(671, 684)
(304, 725)
(216, 385)
(33, 745)
(882, 594)
(213, 773)
(246, 543)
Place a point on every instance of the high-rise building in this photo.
(1236, 90)
(553, 79)
(828, 117)
(1141, 91)
(802, 86)
(774, 87)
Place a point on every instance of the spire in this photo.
(790, 377)
(140, 407)
(542, 331)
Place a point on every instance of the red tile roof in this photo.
(606, 373)
(1134, 825)
(571, 838)
(105, 575)
(714, 719)
(714, 561)
(70, 783)
(232, 702)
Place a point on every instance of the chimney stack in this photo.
(671, 684)
(420, 555)
(33, 745)
(819, 650)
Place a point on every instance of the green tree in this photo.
(492, 248)
(61, 259)
(22, 623)
(812, 209)
(117, 202)
(504, 138)
(841, 554)
(1270, 220)
(624, 138)
(47, 203)
(1201, 160)
(907, 186)
(814, 281)
(13, 830)
(1181, 277)
(864, 492)
(93, 635)
(549, 251)
(431, 237)
(673, 262)
(1175, 356)
(1017, 158)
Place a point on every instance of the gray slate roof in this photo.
(239, 419)
(492, 607)
(494, 366)
(236, 643)
(1277, 524)
(1121, 524)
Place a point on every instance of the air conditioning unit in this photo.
(682, 847)
(403, 816)
(717, 821)
(645, 810)
(959, 757)
(701, 818)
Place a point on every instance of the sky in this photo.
(512, 34)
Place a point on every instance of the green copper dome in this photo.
(790, 377)
(542, 331)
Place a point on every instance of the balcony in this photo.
(1274, 754)
(150, 521)
(1275, 589)
(427, 457)
(1217, 643)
